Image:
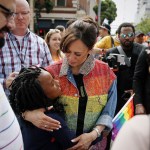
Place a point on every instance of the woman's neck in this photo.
(75, 70)
(55, 55)
(55, 58)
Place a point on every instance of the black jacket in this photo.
(125, 73)
(141, 82)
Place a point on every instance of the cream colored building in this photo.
(143, 10)
(62, 11)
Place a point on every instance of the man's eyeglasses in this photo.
(22, 13)
(131, 34)
(7, 12)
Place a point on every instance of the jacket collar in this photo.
(87, 66)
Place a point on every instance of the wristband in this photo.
(97, 131)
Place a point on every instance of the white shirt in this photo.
(10, 133)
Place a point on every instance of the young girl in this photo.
(32, 89)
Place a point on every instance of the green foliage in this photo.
(108, 10)
(144, 25)
(38, 5)
(48, 5)
(95, 8)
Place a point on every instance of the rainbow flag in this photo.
(126, 113)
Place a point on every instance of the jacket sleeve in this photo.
(140, 73)
(109, 110)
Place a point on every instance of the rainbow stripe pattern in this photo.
(126, 113)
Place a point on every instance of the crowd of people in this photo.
(63, 91)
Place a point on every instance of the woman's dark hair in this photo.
(85, 30)
(126, 24)
(26, 92)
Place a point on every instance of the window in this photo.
(61, 2)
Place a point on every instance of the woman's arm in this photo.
(40, 120)
(109, 109)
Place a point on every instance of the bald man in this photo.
(23, 48)
(10, 134)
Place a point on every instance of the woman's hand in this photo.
(40, 120)
(84, 141)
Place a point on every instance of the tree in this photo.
(108, 10)
(48, 5)
(144, 25)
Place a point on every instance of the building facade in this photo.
(143, 10)
(63, 11)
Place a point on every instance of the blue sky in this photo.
(126, 10)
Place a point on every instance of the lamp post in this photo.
(32, 12)
(99, 12)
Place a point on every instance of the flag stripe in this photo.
(126, 113)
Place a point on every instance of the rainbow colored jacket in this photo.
(100, 86)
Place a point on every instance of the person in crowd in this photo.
(53, 38)
(116, 39)
(88, 86)
(135, 134)
(23, 48)
(147, 38)
(10, 134)
(35, 88)
(106, 42)
(61, 28)
(141, 82)
(105, 30)
(124, 63)
(125, 69)
(148, 43)
(41, 92)
(139, 38)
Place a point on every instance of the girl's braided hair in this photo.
(26, 92)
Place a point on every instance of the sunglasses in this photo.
(131, 34)
(7, 12)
